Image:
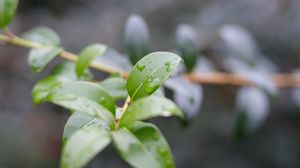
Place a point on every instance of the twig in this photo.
(217, 78)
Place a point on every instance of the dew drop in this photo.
(69, 97)
(155, 136)
(161, 151)
(140, 67)
(151, 84)
(168, 66)
(102, 100)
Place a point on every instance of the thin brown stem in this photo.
(216, 78)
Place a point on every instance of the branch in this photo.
(217, 78)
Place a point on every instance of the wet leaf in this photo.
(83, 145)
(63, 72)
(88, 90)
(150, 73)
(132, 150)
(87, 56)
(84, 97)
(150, 107)
(79, 120)
(116, 87)
(7, 11)
(39, 58)
(43, 35)
(151, 137)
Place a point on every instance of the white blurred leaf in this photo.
(240, 41)
(263, 80)
(259, 74)
(295, 92)
(187, 95)
(253, 104)
(113, 58)
(204, 65)
(187, 45)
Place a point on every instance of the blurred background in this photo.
(30, 135)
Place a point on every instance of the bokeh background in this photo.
(30, 135)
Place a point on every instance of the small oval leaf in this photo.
(88, 55)
(151, 137)
(240, 42)
(188, 96)
(88, 90)
(252, 106)
(132, 150)
(186, 38)
(150, 73)
(84, 97)
(116, 87)
(137, 38)
(39, 58)
(79, 120)
(62, 72)
(7, 11)
(83, 145)
(43, 35)
(149, 107)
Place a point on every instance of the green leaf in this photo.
(149, 107)
(115, 86)
(150, 73)
(88, 90)
(151, 137)
(79, 120)
(39, 58)
(186, 38)
(83, 145)
(84, 97)
(7, 11)
(137, 38)
(87, 56)
(63, 72)
(132, 150)
(43, 35)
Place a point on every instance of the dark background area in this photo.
(30, 135)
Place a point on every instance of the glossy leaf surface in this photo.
(92, 99)
(39, 58)
(87, 56)
(43, 35)
(7, 11)
(150, 73)
(151, 137)
(63, 72)
(150, 107)
(83, 145)
(79, 120)
(132, 150)
(115, 86)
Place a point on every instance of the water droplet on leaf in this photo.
(151, 84)
(168, 66)
(155, 136)
(140, 67)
